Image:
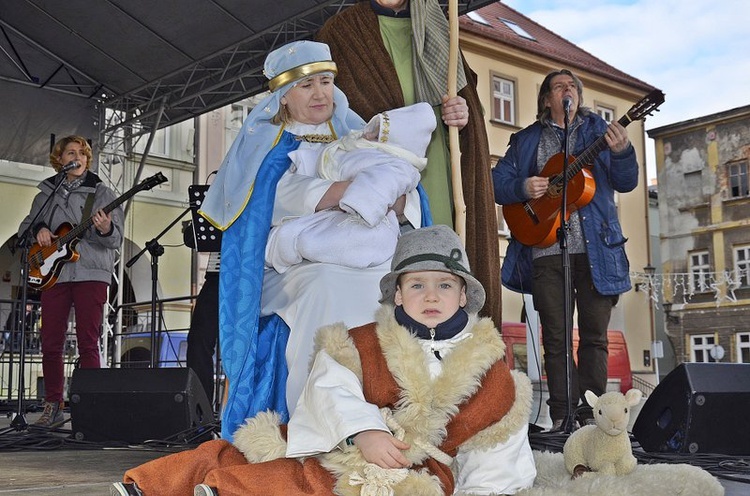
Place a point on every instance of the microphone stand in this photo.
(156, 250)
(25, 242)
(562, 236)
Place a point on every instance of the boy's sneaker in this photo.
(52, 416)
(205, 490)
(124, 489)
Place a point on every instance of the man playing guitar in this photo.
(528, 183)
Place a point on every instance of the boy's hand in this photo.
(382, 449)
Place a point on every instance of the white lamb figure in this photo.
(605, 447)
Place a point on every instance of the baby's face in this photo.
(430, 297)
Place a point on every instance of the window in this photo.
(159, 145)
(235, 116)
(161, 142)
(502, 227)
(503, 100)
(700, 347)
(606, 113)
(742, 265)
(693, 182)
(517, 29)
(743, 347)
(520, 357)
(474, 16)
(738, 180)
(699, 272)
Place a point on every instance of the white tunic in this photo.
(310, 295)
(332, 407)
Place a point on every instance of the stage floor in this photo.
(45, 465)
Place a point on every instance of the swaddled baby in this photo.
(383, 162)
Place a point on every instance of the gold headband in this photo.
(301, 71)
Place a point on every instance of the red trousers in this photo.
(88, 300)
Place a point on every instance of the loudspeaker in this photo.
(134, 405)
(698, 408)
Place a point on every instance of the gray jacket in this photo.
(97, 251)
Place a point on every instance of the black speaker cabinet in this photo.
(135, 405)
(698, 408)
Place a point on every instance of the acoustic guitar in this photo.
(46, 263)
(535, 222)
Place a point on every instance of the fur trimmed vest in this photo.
(474, 402)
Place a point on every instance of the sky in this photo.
(696, 51)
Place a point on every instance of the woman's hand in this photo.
(399, 205)
(332, 196)
(382, 449)
(45, 237)
(102, 222)
(455, 112)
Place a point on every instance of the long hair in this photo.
(57, 150)
(542, 111)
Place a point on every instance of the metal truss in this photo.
(227, 76)
(204, 85)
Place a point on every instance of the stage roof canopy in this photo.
(142, 56)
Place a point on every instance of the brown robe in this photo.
(368, 78)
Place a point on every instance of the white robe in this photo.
(309, 295)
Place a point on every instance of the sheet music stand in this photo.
(207, 237)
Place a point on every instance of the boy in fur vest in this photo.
(419, 402)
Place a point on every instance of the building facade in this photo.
(704, 207)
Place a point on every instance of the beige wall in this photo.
(632, 314)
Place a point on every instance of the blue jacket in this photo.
(605, 243)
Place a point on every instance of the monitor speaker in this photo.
(135, 405)
(698, 408)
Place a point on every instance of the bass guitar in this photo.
(46, 263)
(535, 222)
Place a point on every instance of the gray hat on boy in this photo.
(432, 248)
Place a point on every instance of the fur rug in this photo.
(660, 479)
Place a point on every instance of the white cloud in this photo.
(697, 52)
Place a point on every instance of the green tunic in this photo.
(436, 177)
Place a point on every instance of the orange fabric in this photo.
(222, 466)
(282, 477)
(378, 384)
(181, 472)
(493, 400)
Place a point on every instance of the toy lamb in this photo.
(604, 447)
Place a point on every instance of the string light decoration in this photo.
(684, 286)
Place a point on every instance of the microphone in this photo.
(70, 166)
(567, 103)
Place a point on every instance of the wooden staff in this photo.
(459, 206)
